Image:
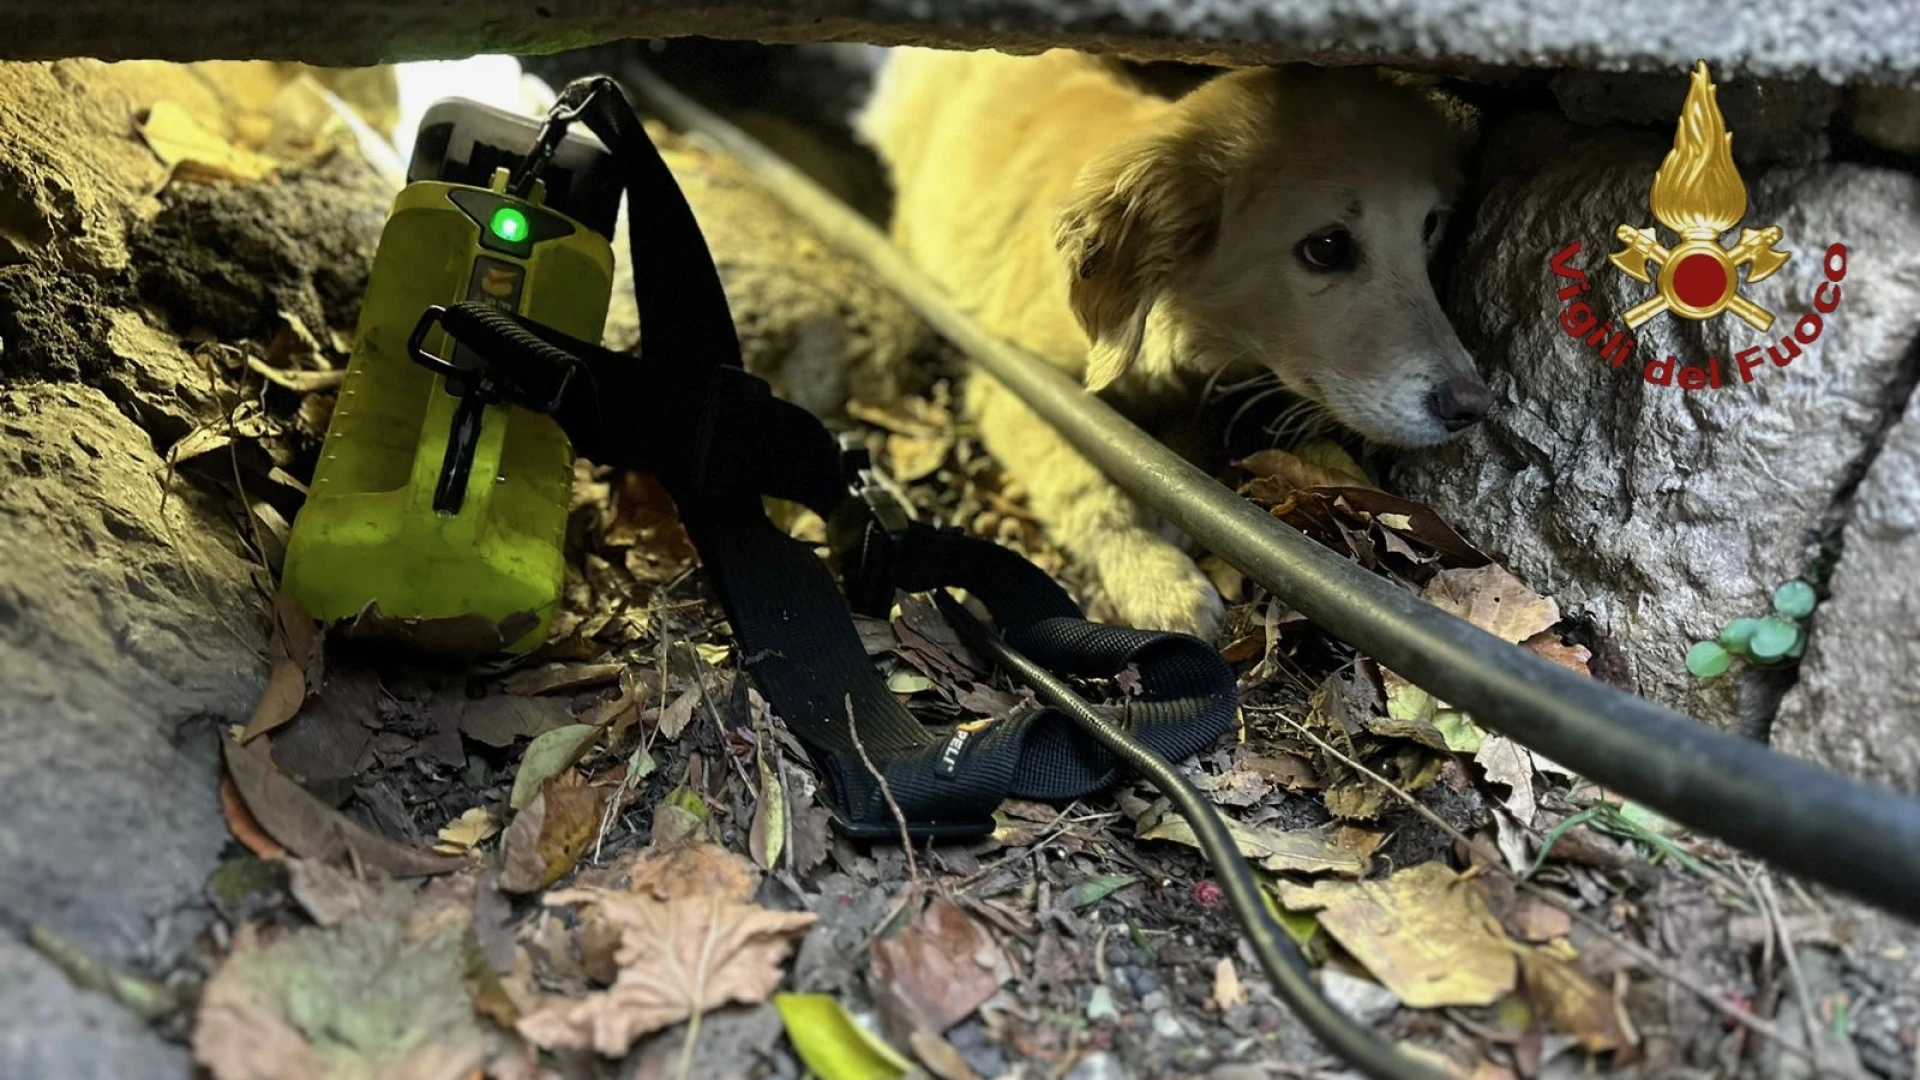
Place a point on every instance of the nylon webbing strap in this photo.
(718, 440)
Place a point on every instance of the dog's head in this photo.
(1282, 218)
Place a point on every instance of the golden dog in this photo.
(1274, 220)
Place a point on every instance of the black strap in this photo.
(719, 440)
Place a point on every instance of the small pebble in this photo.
(1097, 1066)
(1153, 1001)
(1363, 999)
(1145, 982)
(1167, 1026)
(1100, 1005)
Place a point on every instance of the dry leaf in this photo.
(313, 830)
(693, 870)
(676, 957)
(1291, 472)
(676, 716)
(1302, 851)
(549, 836)
(1573, 1001)
(1507, 762)
(1547, 645)
(941, 1057)
(564, 678)
(467, 832)
(1536, 920)
(241, 823)
(297, 667)
(502, 718)
(1227, 991)
(1493, 600)
(767, 836)
(547, 757)
(380, 995)
(942, 967)
(1425, 933)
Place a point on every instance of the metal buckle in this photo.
(864, 531)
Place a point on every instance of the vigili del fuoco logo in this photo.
(1698, 195)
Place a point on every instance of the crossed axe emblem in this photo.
(1699, 279)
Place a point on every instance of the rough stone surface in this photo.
(1870, 42)
(1856, 707)
(55, 1030)
(1657, 513)
(1772, 122)
(128, 624)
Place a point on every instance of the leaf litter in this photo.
(670, 851)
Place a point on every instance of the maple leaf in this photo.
(677, 957)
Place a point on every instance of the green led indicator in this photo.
(509, 224)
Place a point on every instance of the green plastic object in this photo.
(1738, 634)
(1795, 599)
(369, 532)
(1774, 640)
(1708, 659)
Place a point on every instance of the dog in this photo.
(1275, 221)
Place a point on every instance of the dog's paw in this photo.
(1156, 586)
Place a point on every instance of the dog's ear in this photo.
(1136, 216)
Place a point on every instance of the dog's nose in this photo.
(1459, 403)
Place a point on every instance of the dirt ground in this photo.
(610, 859)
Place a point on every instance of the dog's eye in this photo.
(1330, 250)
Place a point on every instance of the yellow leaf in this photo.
(178, 139)
(832, 1045)
(1574, 1002)
(1304, 851)
(1493, 600)
(467, 832)
(548, 756)
(1425, 933)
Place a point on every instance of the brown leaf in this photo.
(241, 823)
(1303, 851)
(676, 716)
(1507, 762)
(1547, 645)
(942, 967)
(297, 668)
(461, 637)
(502, 718)
(1536, 920)
(563, 678)
(677, 957)
(1493, 600)
(941, 1057)
(1425, 933)
(549, 836)
(311, 829)
(1573, 1001)
(685, 871)
(1291, 471)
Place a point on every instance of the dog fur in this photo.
(1154, 246)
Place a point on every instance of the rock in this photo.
(1153, 1001)
(1366, 1001)
(1856, 707)
(1098, 1065)
(1166, 1025)
(1888, 117)
(1655, 513)
(55, 1030)
(816, 324)
(1866, 42)
(118, 626)
(1772, 121)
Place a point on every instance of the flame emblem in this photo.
(1698, 194)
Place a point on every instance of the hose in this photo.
(1292, 978)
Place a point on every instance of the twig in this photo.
(1770, 902)
(906, 838)
(1639, 953)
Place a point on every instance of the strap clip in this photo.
(865, 531)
